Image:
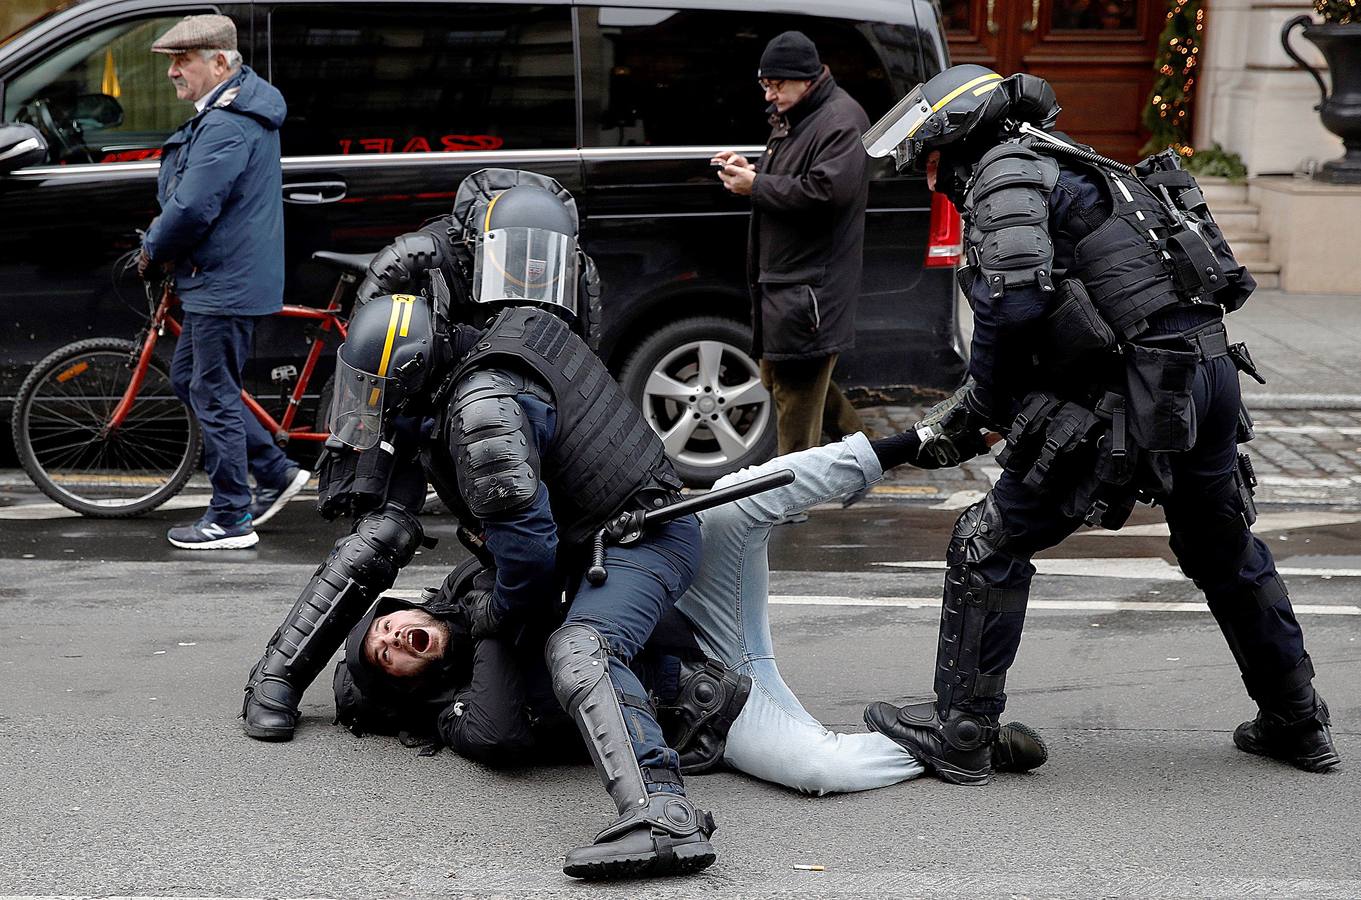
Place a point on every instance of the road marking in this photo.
(33, 512)
(959, 500)
(1069, 605)
(1144, 568)
(1063, 605)
(1306, 429)
(1304, 481)
(1285, 521)
(904, 490)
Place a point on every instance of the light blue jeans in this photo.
(774, 737)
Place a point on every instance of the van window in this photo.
(102, 98)
(421, 79)
(686, 77)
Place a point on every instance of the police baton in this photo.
(627, 528)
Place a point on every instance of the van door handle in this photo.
(313, 192)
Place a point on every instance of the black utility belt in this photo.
(1209, 341)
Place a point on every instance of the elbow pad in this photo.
(1007, 206)
(497, 464)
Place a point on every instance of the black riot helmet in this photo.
(526, 251)
(961, 112)
(390, 357)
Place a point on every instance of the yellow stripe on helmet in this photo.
(486, 220)
(967, 86)
(398, 301)
(974, 83)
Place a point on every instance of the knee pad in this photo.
(393, 532)
(578, 660)
(980, 533)
(696, 723)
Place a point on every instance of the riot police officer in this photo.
(533, 446)
(1099, 349)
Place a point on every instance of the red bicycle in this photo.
(99, 430)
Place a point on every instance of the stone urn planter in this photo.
(1340, 110)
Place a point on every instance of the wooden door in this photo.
(1097, 54)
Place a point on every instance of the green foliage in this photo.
(1339, 12)
(1216, 161)
(1168, 114)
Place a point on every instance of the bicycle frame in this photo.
(283, 431)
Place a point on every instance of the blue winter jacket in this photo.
(221, 194)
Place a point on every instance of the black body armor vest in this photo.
(602, 453)
(1126, 274)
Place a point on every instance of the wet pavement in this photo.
(127, 772)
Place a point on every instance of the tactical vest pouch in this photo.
(1068, 433)
(1158, 382)
(1075, 327)
(1195, 269)
(335, 482)
(1156, 172)
(351, 483)
(1027, 432)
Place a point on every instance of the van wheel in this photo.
(701, 392)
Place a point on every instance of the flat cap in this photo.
(197, 33)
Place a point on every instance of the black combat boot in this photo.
(666, 836)
(1018, 748)
(1292, 728)
(657, 832)
(958, 748)
(270, 707)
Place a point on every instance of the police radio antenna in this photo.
(1051, 143)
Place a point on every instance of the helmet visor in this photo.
(892, 133)
(526, 265)
(357, 406)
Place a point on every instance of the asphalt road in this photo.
(125, 771)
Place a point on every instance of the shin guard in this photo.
(359, 567)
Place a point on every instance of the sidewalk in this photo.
(1308, 414)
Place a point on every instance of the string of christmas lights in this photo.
(1168, 113)
(1339, 12)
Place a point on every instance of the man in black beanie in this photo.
(808, 195)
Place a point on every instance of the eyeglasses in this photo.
(768, 84)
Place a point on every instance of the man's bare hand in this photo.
(731, 158)
(737, 180)
(735, 171)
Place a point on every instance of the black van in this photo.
(392, 103)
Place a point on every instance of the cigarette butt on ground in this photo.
(804, 868)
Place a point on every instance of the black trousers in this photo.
(1209, 536)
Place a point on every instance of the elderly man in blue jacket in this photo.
(221, 233)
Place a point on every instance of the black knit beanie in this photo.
(790, 55)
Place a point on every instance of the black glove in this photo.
(952, 431)
(484, 618)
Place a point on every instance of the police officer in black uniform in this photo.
(530, 442)
(1099, 350)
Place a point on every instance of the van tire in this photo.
(732, 390)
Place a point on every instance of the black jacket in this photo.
(492, 700)
(808, 227)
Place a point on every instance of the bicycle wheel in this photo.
(61, 440)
